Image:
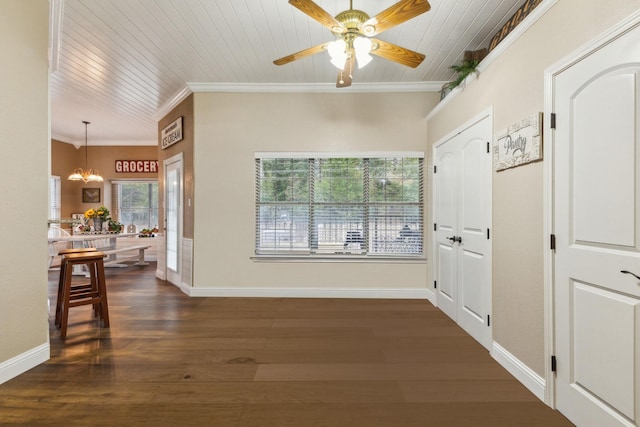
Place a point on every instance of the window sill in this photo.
(385, 259)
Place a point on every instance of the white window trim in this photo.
(337, 258)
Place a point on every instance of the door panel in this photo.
(596, 218)
(447, 270)
(603, 216)
(472, 299)
(604, 330)
(445, 181)
(475, 262)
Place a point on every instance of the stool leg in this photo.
(66, 296)
(63, 264)
(102, 290)
(93, 274)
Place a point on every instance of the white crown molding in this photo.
(513, 36)
(172, 103)
(314, 88)
(195, 87)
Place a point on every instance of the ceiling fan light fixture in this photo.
(338, 54)
(363, 46)
(363, 60)
(336, 48)
(339, 61)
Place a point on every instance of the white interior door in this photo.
(597, 225)
(173, 218)
(462, 212)
(445, 181)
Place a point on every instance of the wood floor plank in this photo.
(505, 390)
(172, 360)
(231, 392)
(485, 414)
(380, 371)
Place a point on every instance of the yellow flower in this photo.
(90, 213)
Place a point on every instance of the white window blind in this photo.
(343, 205)
(135, 202)
(55, 205)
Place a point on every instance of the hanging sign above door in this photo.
(171, 134)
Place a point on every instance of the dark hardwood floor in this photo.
(172, 360)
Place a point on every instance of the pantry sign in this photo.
(519, 144)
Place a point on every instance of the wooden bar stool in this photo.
(92, 293)
(61, 278)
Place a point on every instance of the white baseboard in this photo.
(534, 382)
(160, 274)
(309, 293)
(23, 362)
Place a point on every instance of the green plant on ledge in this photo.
(465, 68)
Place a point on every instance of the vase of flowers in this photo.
(99, 215)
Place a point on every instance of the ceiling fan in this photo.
(354, 31)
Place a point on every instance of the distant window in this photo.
(55, 206)
(349, 205)
(137, 203)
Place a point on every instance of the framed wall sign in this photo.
(136, 166)
(519, 144)
(171, 134)
(90, 195)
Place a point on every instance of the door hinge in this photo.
(488, 147)
(553, 120)
(488, 234)
(552, 242)
(435, 227)
(488, 320)
(554, 365)
(435, 284)
(435, 169)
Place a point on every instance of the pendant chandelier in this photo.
(86, 175)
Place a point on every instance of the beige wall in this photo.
(24, 109)
(514, 86)
(230, 128)
(185, 146)
(66, 157)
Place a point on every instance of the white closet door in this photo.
(597, 226)
(462, 212)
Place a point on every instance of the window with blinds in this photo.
(55, 205)
(339, 205)
(135, 202)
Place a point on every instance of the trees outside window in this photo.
(339, 205)
(137, 203)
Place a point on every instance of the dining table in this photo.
(89, 240)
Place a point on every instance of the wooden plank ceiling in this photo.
(118, 63)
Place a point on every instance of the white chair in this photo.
(55, 247)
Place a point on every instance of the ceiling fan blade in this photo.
(397, 54)
(394, 15)
(307, 52)
(345, 77)
(319, 14)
